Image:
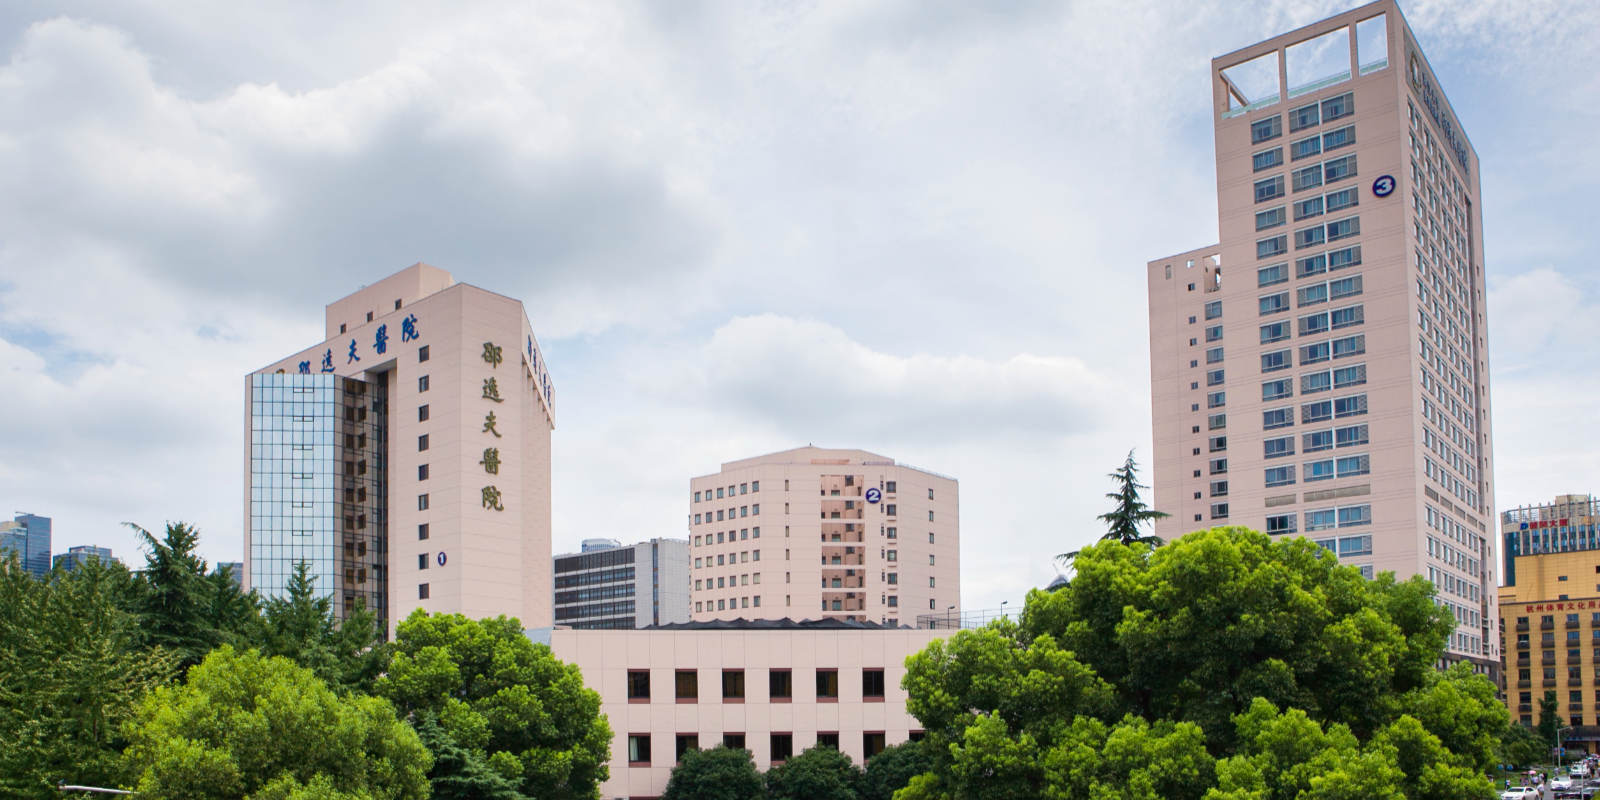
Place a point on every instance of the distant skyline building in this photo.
(815, 533)
(28, 535)
(78, 554)
(406, 458)
(1563, 526)
(609, 586)
(1335, 385)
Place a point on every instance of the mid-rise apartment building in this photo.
(814, 532)
(1335, 384)
(406, 458)
(1550, 621)
(28, 537)
(609, 586)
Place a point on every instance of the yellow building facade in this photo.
(1550, 629)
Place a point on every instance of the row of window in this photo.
(729, 603)
(744, 488)
(1308, 177)
(742, 511)
(722, 582)
(1322, 470)
(1313, 236)
(1327, 519)
(780, 685)
(1317, 352)
(780, 745)
(701, 540)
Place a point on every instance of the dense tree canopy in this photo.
(1201, 669)
(720, 773)
(301, 627)
(70, 676)
(505, 702)
(821, 773)
(890, 770)
(243, 725)
(181, 607)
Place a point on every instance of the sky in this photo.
(916, 227)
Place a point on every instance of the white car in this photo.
(1560, 783)
(1520, 793)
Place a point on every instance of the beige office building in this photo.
(776, 689)
(1335, 384)
(818, 533)
(406, 458)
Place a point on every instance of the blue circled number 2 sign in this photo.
(441, 558)
(1383, 186)
(874, 495)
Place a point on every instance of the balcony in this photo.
(1525, 707)
(1547, 624)
(1522, 627)
(1572, 622)
(1549, 683)
(1522, 659)
(1526, 684)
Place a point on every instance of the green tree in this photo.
(70, 676)
(459, 773)
(890, 770)
(821, 773)
(1195, 630)
(1123, 521)
(1549, 721)
(301, 627)
(181, 608)
(1159, 673)
(1520, 746)
(507, 702)
(720, 773)
(244, 725)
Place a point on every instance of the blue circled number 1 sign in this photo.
(441, 558)
(1383, 186)
(874, 495)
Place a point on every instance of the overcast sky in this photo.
(917, 227)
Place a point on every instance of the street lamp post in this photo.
(949, 617)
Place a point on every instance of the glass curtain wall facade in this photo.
(318, 486)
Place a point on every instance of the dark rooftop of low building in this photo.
(784, 624)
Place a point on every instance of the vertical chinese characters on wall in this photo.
(491, 455)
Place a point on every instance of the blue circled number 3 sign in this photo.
(1383, 186)
(874, 495)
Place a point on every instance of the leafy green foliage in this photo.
(893, 768)
(720, 773)
(1520, 746)
(1160, 673)
(1549, 719)
(301, 627)
(506, 702)
(244, 725)
(821, 773)
(70, 676)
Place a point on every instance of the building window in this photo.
(872, 743)
(422, 354)
(684, 743)
(1305, 148)
(827, 685)
(422, 531)
(686, 683)
(1216, 399)
(1272, 246)
(733, 741)
(1269, 276)
(1266, 129)
(1280, 446)
(422, 502)
(733, 686)
(422, 442)
(1214, 309)
(638, 749)
(782, 747)
(1275, 360)
(422, 384)
(1279, 476)
(1219, 510)
(780, 685)
(1282, 523)
(422, 472)
(1274, 332)
(1273, 303)
(1214, 333)
(422, 591)
(1267, 159)
(422, 561)
(1278, 389)
(1277, 418)
(422, 413)
(1304, 117)
(872, 684)
(638, 686)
